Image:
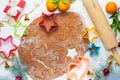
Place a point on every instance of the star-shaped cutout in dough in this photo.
(90, 34)
(7, 46)
(19, 29)
(72, 53)
(48, 21)
(93, 49)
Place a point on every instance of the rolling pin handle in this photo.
(116, 55)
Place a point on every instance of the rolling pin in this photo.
(102, 26)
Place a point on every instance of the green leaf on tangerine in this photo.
(65, 1)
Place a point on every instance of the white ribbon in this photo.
(14, 8)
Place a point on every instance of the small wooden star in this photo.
(7, 46)
(90, 34)
(93, 49)
(48, 21)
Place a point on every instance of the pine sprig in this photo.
(116, 22)
(18, 69)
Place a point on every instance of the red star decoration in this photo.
(48, 21)
(7, 47)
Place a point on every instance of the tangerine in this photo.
(62, 6)
(111, 7)
(50, 6)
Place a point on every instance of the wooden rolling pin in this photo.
(103, 28)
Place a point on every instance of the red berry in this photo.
(119, 44)
(106, 71)
(18, 78)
